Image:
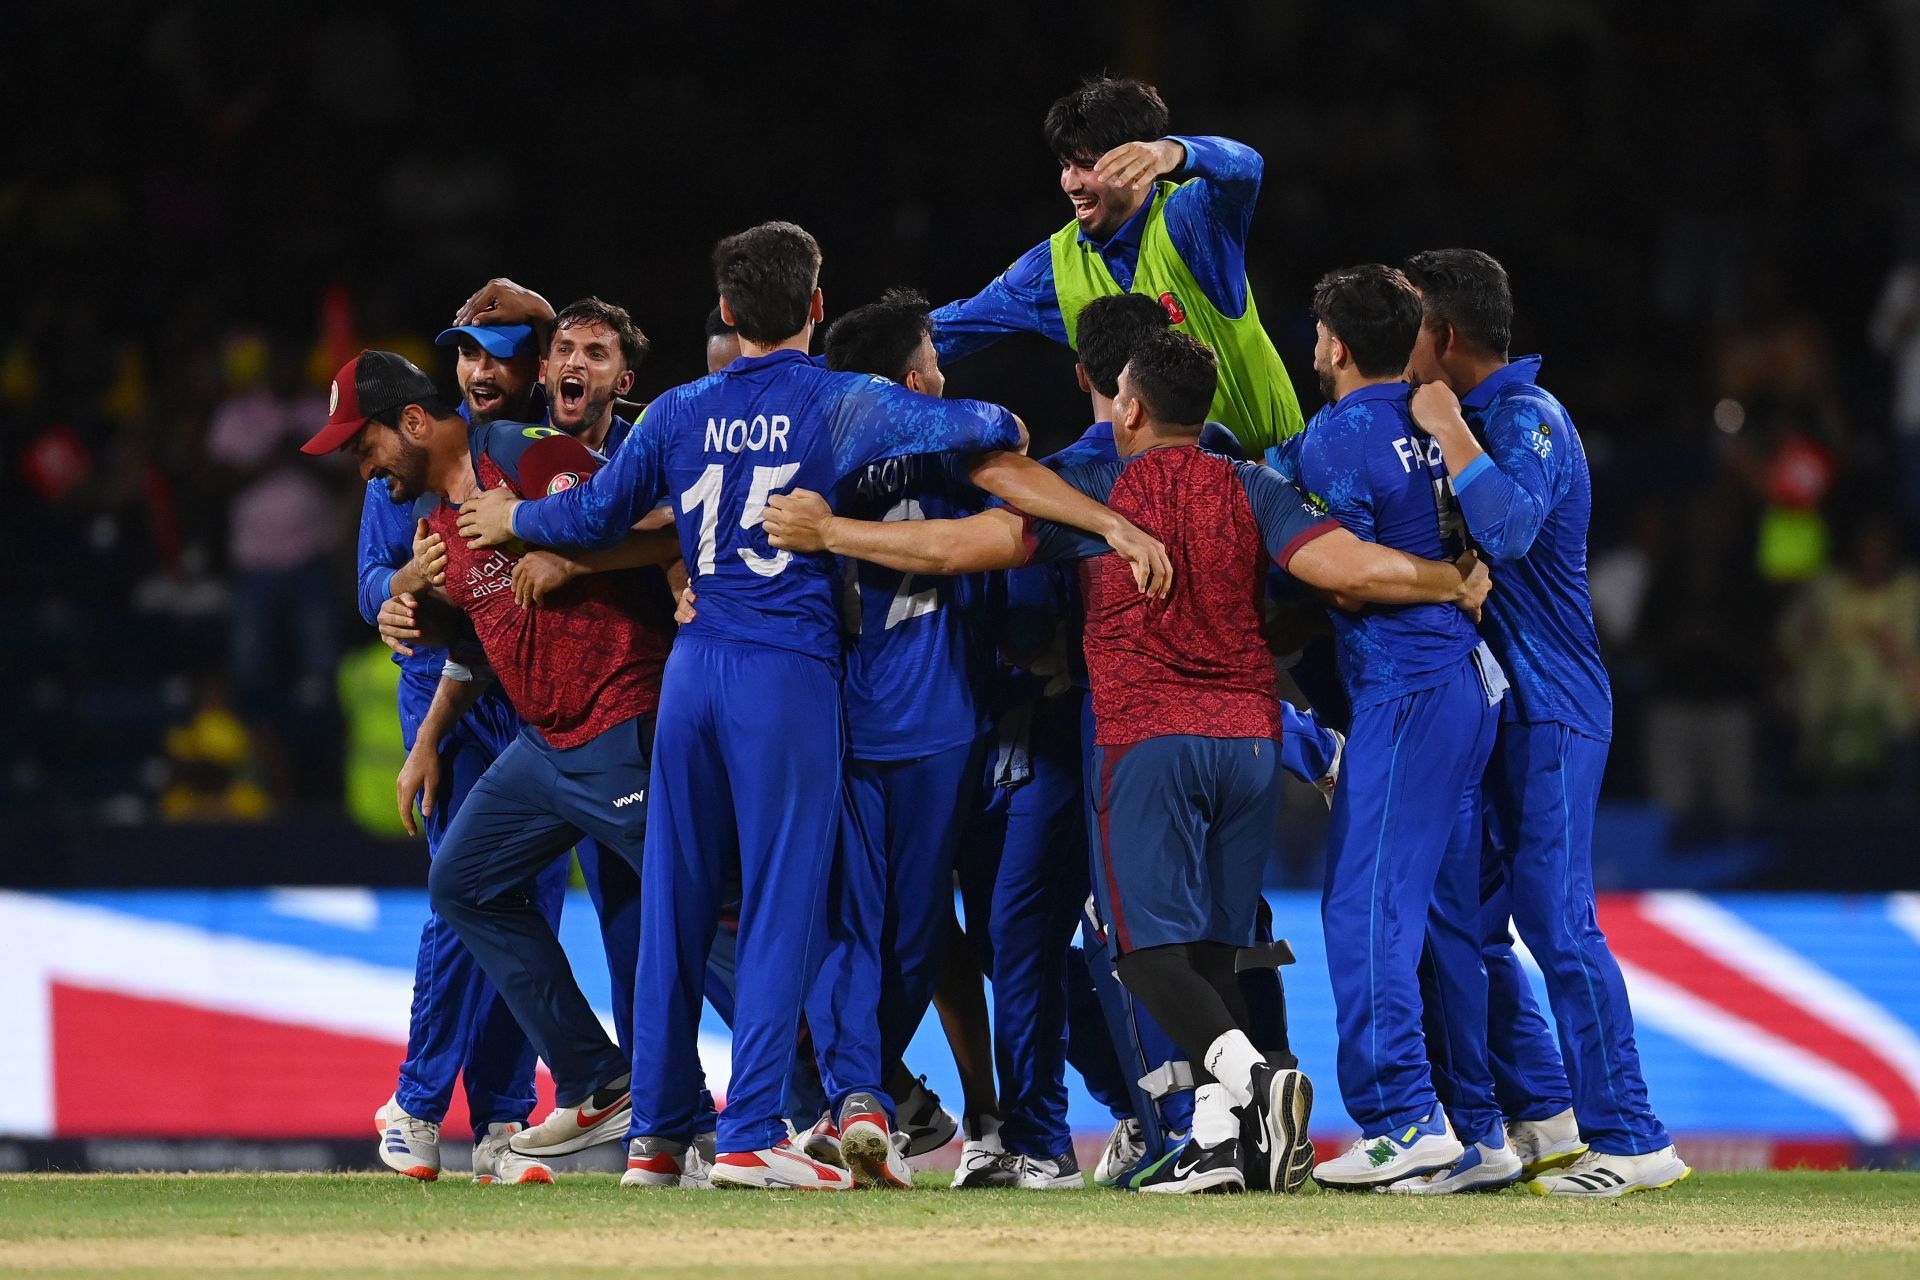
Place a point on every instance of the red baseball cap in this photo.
(370, 383)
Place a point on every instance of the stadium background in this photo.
(1711, 213)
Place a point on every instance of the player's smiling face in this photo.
(385, 453)
(1099, 207)
(585, 370)
(495, 388)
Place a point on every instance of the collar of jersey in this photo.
(1525, 369)
(744, 364)
(1375, 391)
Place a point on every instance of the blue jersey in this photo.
(1380, 476)
(1527, 503)
(1208, 221)
(386, 543)
(913, 664)
(720, 447)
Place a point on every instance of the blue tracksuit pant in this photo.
(891, 896)
(1542, 788)
(1403, 873)
(747, 761)
(529, 808)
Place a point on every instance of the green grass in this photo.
(1751, 1226)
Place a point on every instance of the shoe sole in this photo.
(1287, 1166)
(867, 1150)
(733, 1184)
(418, 1172)
(1229, 1182)
(532, 1177)
(1401, 1176)
(1552, 1163)
(1541, 1189)
(610, 1128)
(1471, 1189)
(1062, 1183)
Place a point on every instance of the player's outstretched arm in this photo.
(420, 775)
(1357, 572)
(802, 521)
(541, 572)
(1042, 494)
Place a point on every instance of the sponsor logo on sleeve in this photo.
(563, 482)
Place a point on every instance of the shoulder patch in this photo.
(562, 482)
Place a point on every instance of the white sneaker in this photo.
(1604, 1176)
(1482, 1168)
(984, 1161)
(822, 1142)
(867, 1145)
(1327, 781)
(1380, 1160)
(1546, 1145)
(408, 1144)
(495, 1163)
(779, 1168)
(1125, 1146)
(1062, 1173)
(604, 1117)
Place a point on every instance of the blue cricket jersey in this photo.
(913, 660)
(721, 446)
(386, 543)
(1528, 502)
(1380, 476)
(1208, 221)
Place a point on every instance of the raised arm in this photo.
(1024, 483)
(1209, 220)
(1020, 299)
(1504, 500)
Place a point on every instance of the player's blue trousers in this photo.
(1306, 746)
(458, 1022)
(1542, 788)
(748, 760)
(1403, 874)
(890, 896)
(1024, 881)
(530, 807)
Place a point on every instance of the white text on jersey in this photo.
(763, 432)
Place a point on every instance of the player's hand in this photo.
(501, 301)
(399, 623)
(429, 562)
(683, 611)
(1475, 581)
(1436, 409)
(419, 777)
(1139, 164)
(487, 521)
(1152, 569)
(798, 521)
(538, 574)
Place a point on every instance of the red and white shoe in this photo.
(408, 1144)
(822, 1142)
(497, 1164)
(867, 1144)
(779, 1168)
(604, 1117)
(658, 1162)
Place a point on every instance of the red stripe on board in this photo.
(129, 1067)
(1644, 942)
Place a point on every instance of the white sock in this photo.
(1230, 1060)
(1213, 1118)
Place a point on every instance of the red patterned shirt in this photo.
(1194, 663)
(592, 655)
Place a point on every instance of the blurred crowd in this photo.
(1711, 215)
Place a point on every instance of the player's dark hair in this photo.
(436, 406)
(1176, 377)
(1101, 114)
(767, 274)
(882, 336)
(717, 326)
(591, 311)
(1374, 310)
(1467, 289)
(1109, 329)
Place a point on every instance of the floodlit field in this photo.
(1753, 1226)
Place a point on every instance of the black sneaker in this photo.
(1274, 1127)
(927, 1125)
(1193, 1169)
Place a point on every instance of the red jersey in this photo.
(591, 656)
(1194, 663)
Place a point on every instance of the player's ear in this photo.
(817, 308)
(726, 313)
(1080, 376)
(624, 383)
(912, 381)
(1337, 353)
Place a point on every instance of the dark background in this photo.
(205, 209)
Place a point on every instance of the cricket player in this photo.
(1186, 714)
(1523, 486)
(749, 755)
(1159, 215)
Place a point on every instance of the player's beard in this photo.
(591, 407)
(407, 477)
(1325, 376)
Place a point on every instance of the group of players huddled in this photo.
(806, 643)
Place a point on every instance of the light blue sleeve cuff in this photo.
(1482, 463)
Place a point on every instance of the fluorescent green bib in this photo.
(1255, 397)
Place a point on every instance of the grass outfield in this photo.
(1751, 1225)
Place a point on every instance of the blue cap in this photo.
(497, 340)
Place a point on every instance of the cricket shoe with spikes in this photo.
(1600, 1176)
(1546, 1145)
(1382, 1159)
(777, 1168)
(867, 1144)
(1482, 1168)
(822, 1142)
(408, 1144)
(495, 1163)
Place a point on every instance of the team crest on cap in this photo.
(563, 482)
(333, 398)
